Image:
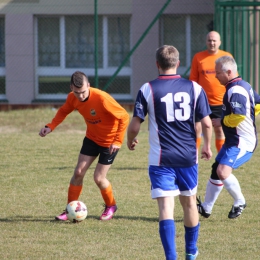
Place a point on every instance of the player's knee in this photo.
(78, 173)
(214, 174)
(98, 179)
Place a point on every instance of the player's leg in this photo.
(76, 182)
(191, 225)
(233, 187)
(187, 182)
(219, 137)
(229, 180)
(219, 134)
(105, 190)
(163, 188)
(213, 189)
(75, 187)
(100, 177)
(88, 154)
(198, 130)
(167, 226)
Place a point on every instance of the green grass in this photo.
(34, 177)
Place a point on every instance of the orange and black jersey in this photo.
(106, 120)
(203, 72)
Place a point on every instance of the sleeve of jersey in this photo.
(202, 105)
(233, 120)
(61, 114)
(238, 102)
(257, 98)
(140, 108)
(121, 115)
(194, 75)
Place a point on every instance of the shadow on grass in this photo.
(131, 168)
(61, 168)
(20, 218)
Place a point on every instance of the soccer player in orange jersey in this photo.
(106, 124)
(203, 72)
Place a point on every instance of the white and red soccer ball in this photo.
(76, 211)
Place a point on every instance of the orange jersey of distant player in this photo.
(203, 72)
(106, 120)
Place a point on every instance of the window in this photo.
(67, 43)
(48, 42)
(187, 33)
(2, 58)
(80, 42)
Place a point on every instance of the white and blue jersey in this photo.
(172, 103)
(240, 99)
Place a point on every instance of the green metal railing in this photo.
(238, 23)
(130, 52)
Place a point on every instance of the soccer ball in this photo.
(76, 211)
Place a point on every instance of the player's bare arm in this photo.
(44, 131)
(132, 132)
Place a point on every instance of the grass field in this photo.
(34, 177)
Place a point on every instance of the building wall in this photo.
(65, 6)
(20, 31)
(19, 44)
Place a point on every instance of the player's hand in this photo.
(113, 148)
(206, 154)
(44, 131)
(131, 144)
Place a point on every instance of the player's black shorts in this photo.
(90, 148)
(216, 112)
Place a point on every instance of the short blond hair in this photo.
(167, 57)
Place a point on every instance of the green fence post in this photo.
(137, 44)
(96, 45)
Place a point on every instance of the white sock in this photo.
(213, 189)
(232, 185)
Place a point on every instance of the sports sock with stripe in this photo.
(213, 189)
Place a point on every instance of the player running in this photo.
(106, 124)
(238, 123)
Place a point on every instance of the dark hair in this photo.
(77, 79)
(167, 57)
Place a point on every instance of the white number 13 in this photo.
(181, 114)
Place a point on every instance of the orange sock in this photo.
(108, 196)
(219, 143)
(198, 142)
(74, 192)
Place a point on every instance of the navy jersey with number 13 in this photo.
(172, 103)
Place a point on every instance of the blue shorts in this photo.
(233, 156)
(168, 181)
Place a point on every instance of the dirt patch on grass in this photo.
(9, 129)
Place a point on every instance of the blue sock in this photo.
(191, 238)
(167, 234)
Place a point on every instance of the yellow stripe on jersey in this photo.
(257, 109)
(233, 120)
